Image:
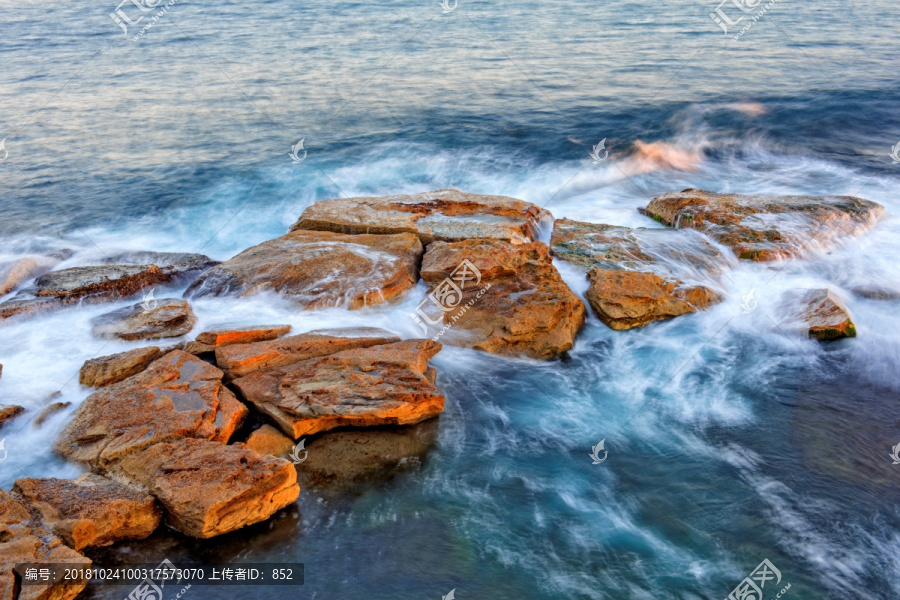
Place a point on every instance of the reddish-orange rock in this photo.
(764, 228)
(178, 395)
(827, 315)
(498, 297)
(390, 384)
(317, 269)
(8, 412)
(107, 281)
(242, 335)
(91, 511)
(268, 440)
(113, 368)
(208, 488)
(442, 215)
(242, 359)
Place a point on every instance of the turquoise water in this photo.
(730, 440)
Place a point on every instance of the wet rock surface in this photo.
(507, 299)
(389, 384)
(175, 264)
(99, 282)
(166, 318)
(442, 215)
(268, 440)
(827, 315)
(50, 410)
(9, 412)
(15, 273)
(91, 511)
(113, 368)
(317, 269)
(765, 228)
(242, 335)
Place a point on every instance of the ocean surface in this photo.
(731, 438)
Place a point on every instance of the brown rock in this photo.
(388, 384)
(209, 488)
(512, 302)
(91, 511)
(319, 269)
(49, 411)
(442, 215)
(113, 368)
(28, 306)
(638, 276)
(242, 359)
(108, 282)
(242, 335)
(25, 539)
(268, 440)
(16, 272)
(827, 315)
(8, 412)
(178, 395)
(175, 264)
(171, 317)
(764, 228)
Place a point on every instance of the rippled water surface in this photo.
(731, 439)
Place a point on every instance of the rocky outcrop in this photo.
(15, 273)
(442, 215)
(8, 412)
(638, 276)
(390, 384)
(50, 410)
(827, 315)
(208, 488)
(166, 318)
(25, 539)
(498, 297)
(242, 335)
(24, 307)
(99, 282)
(765, 228)
(268, 440)
(242, 359)
(91, 511)
(113, 368)
(319, 269)
(178, 395)
(178, 265)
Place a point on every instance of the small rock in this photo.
(170, 317)
(208, 488)
(827, 315)
(9, 412)
(91, 511)
(113, 368)
(49, 411)
(175, 264)
(109, 282)
(242, 359)
(390, 384)
(28, 306)
(242, 335)
(16, 272)
(319, 269)
(268, 440)
(442, 215)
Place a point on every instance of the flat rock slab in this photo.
(8, 412)
(91, 511)
(638, 276)
(390, 384)
(156, 319)
(242, 335)
(317, 269)
(174, 264)
(242, 359)
(442, 215)
(25, 539)
(24, 307)
(178, 395)
(499, 297)
(268, 440)
(99, 282)
(104, 370)
(827, 315)
(208, 488)
(765, 228)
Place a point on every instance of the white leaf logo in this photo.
(6, 152)
(895, 453)
(295, 152)
(595, 153)
(450, 596)
(748, 303)
(895, 153)
(295, 453)
(595, 452)
(448, 8)
(2, 450)
(149, 302)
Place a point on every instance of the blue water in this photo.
(730, 439)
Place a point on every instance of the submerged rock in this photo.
(91, 511)
(166, 318)
(499, 297)
(113, 368)
(638, 276)
(442, 215)
(8, 412)
(389, 384)
(242, 359)
(49, 411)
(764, 228)
(16, 272)
(178, 395)
(827, 315)
(208, 488)
(24, 307)
(109, 282)
(175, 264)
(319, 269)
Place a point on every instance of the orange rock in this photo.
(268, 440)
(8, 412)
(514, 302)
(389, 384)
(113, 368)
(108, 281)
(209, 488)
(827, 315)
(242, 335)
(178, 395)
(317, 269)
